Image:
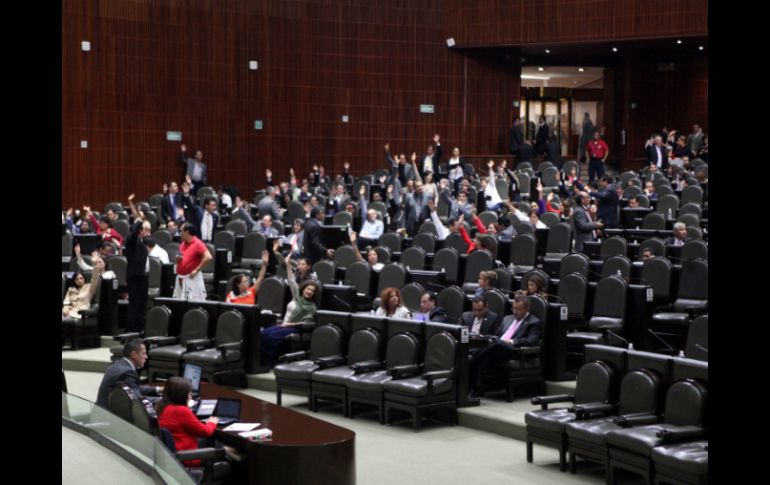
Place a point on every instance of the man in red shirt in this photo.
(193, 255)
(597, 152)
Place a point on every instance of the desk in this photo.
(304, 449)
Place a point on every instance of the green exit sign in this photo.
(258, 124)
(174, 135)
(426, 108)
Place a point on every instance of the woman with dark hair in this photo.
(391, 304)
(244, 294)
(535, 286)
(178, 418)
(79, 295)
(305, 296)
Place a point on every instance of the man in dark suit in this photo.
(541, 138)
(583, 227)
(657, 153)
(608, 201)
(313, 248)
(196, 172)
(206, 219)
(124, 371)
(432, 157)
(522, 329)
(137, 271)
(516, 137)
(429, 311)
(480, 321)
(170, 203)
(679, 237)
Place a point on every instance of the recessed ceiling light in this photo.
(580, 69)
(614, 49)
(541, 69)
(574, 82)
(679, 42)
(548, 51)
(700, 47)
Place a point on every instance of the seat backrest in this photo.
(156, 322)
(272, 295)
(478, 261)
(142, 418)
(559, 237)
(694, 280)
(230, 327)
(691, 208)
(345, 256)
(156, 266)
(380, 207)
(66, 244)
(172, 249)
(610, 297)
(617, 265)
(664, 189)
(452, 300)
(237, 226)
(595, 381)
(504, 280)
(640, 392)
(359, 274)
(383, 254)
(253, 245)
(120, 402)
(225, 240)
(668, 203)
(654, 220)
(689, 220)
(612, 246)
(694, 232)
(644, 201)
(656, 272)
(523, 250)
(155, 200)
(694, 249)
(550, 219)
(549, 176)
(574, 263)
(698, 339)
(657, 246)
(523, 179)
(403, 349)
(496, 301)
(573, 291)
(632, 191)
(455, 240)
(122, 226)
(162, 237)
(295, 210)
(325, 270)
(326, 341)
(342, 218)
(447, 259)
(413, 257)
(440, 352)
(391, 240)
(692, 194)
(411, 294)
(195, 324)
(523, 227)
(539, 308)
(425, 240)
(209, 266)
(686, 403)
(392, 275)
(488, 217)
(119, 265)
(364, 346)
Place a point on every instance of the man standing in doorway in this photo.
(586, 133)
(597, 152)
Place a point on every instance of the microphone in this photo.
(606, 331)
(700, 347)
(340, 300)
(659, 339)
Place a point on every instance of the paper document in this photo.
(238, 427)
(258, 434)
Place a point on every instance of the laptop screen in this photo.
(192, 373)
(228, 408)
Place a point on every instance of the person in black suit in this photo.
(429, 311)
(170, 203)
(657, 153)
(313, 248)
(124, 371)
(583, 226)
(432, 157)
(206, 219)
(541, 138)
(137, 270)
(679, 237)
(522, 329)
(480, 321)
(516, 137)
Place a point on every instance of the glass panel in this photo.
(552, 120)
(564, 126)
(536, 109)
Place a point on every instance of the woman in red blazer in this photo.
(176, 416)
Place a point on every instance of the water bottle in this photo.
(681, 354)
(619, 274)
(670, 215)
(630, 346)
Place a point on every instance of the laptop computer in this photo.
(228, 411)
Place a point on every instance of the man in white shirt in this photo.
(493, 199)
(372, 228)
(155, 250)
(208, 219)
(432, 157)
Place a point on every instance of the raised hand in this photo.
(268, 173)
(353, 237)
(87, 209)
(436, 138)
(414, 156)
(315, 167)
(77, 249)
(431, 205)
(131, 197)
(362, 190)
(390, 189)
(276, 246)
(491, 163)
(183, 147)
(346, 166)
(265, 255)
(504, 163)
(387, 147)
(291, 172)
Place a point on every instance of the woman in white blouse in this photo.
(391, 304)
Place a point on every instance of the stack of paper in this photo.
(238, 427)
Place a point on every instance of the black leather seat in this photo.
(698, 339)
(296, 369)
(692, 300)
(608, 313)
(166, 358)
(596, 383)
(682, 463)
(156, 326)
(420, 388)
(223, 355)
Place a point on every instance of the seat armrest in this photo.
(125, 337)
(591, 410)
(637, 420)
(437, 374)
(198, 344)
(152, 341)
(294, 356)
(162, 341)
(402, 371)
(368, 366)
(681, 435)
(528, 352)
(91, 312)
(544, 401)
(201, 454)
(331, 361)
(230, 346)
(305, 326)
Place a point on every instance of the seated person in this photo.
(521, 329)
(179, 420)
(480, 321)
(680, 235)
(80, 294)
(125, 371)
(304, 299)
(391, 305)
(647, 254)
(371, 255)
(535, 220)
(429, 312)
(486, 282)
(535, 286)
(371, 228)
(244, 294)
(304, 268)
(296, 238)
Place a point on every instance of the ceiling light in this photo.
(541, 78)
(541, 69)
(580, 69)
(548, 51)
(700, 47)
(614, 49)
(679, 42)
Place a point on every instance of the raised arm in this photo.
(417, 177)
(95, 278)
(442, 231)
(262, 271)
(353, 237)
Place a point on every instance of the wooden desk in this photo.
(304, 449)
